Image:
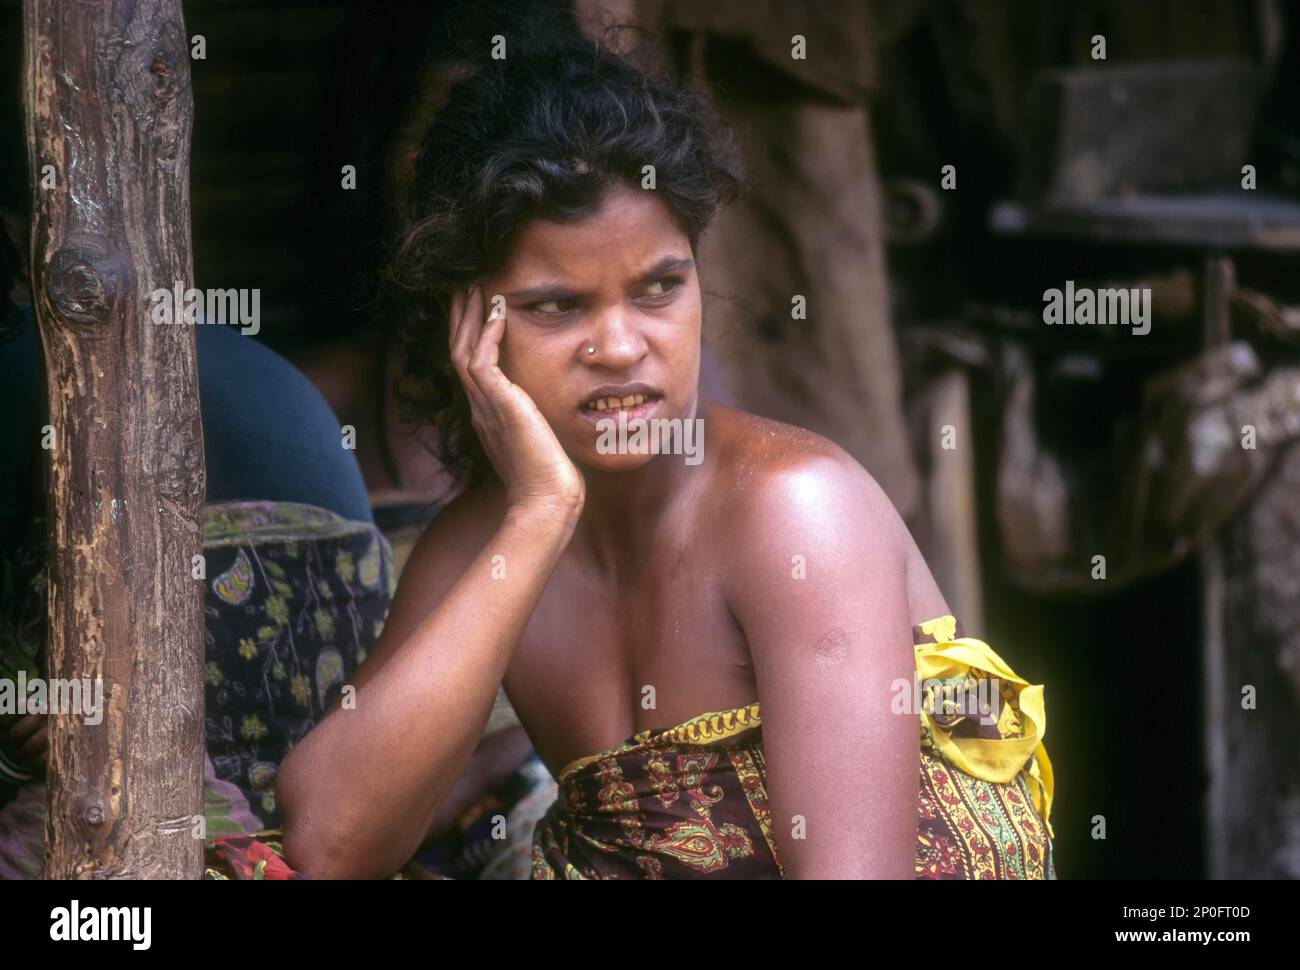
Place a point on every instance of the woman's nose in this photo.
(618, 342)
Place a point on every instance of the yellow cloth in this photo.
(999, 761)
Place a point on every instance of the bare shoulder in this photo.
(779, 479)
(789, 492)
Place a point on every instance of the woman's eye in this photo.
(552, 308)
(663, 287)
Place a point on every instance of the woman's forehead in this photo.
(631, 231)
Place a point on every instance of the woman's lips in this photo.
(636, 411)
(615, 402)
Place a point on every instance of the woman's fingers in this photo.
(486, 358)
(467, 339)
(464, 332)
(505, 398)
(468, 327)
(515, 435)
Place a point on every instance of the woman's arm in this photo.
(820, 590)
(359, 792)
(495, 758)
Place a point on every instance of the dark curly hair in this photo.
(544, 132)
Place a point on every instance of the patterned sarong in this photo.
(691, 801)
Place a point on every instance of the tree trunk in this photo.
(109, 111)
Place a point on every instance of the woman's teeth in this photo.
(616, 403)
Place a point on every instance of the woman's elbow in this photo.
(315, 849)
(315, 845)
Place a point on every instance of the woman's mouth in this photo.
(631, 406)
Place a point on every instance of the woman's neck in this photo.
(624, 511)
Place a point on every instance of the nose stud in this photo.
(591, 348)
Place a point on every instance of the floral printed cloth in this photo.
(690, 802)
(296, 597)
(491, 839)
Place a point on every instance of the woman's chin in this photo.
(593, 460)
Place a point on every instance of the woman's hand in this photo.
(535, 469)
(362, 790)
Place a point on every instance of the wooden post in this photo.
(952, 532)
(1252, 642)
(1218, 282)
(109, 111)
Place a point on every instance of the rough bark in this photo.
(109, 106)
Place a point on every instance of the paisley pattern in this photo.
(691, 802)
(297, 597)
(235, 585)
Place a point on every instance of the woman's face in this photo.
(622, 282)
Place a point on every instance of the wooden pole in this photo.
(952, 529)
(1218, 282)
(109, 112)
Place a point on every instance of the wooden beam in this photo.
(109, 111)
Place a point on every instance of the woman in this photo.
(745, 612)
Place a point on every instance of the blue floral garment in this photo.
(296, 597)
